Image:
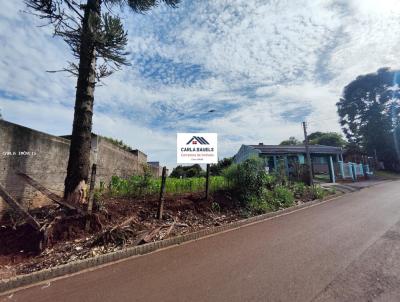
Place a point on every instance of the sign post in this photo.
(207, 181)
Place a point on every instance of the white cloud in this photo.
(268, 65)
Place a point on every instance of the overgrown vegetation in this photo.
(187, 171)
(260, 192)
(249, 185)
(139, 186)
(118, 143)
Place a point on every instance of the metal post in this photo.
(162, 192)
(207, 180)
(310, 174)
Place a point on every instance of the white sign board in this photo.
(197, 148)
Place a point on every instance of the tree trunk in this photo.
(79, 155)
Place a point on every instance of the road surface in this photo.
(347, 249)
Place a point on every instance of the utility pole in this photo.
(309, 168)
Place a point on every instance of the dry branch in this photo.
(48, 193)
(170, 229)
(17, 207)
(118, 234)
(150, 235)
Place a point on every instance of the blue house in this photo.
(324, 158)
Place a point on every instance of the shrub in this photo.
(299, 189)
(258, 206)
(231, 174)
(318, 192)
(248, 179)
(283, 196)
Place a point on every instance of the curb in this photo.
(79, 265)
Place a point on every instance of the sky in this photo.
(262, 66)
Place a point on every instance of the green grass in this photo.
(140, 186)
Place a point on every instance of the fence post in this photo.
(91, 196)
(162, 192)
(207, 180)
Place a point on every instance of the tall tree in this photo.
(369, 112)
(326, 138)
(93, 37)
(292, 141)
(187, 171)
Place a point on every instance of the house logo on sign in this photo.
(196, 139)
(198, 148)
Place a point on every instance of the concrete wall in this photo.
(45, 160)
(112, 160)
(44, 157)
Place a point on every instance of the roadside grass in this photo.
(246, 185)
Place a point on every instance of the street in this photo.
(341, 250)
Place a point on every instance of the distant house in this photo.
(323, 158)
(156, 168)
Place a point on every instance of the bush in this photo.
(283, 196)
(248, 179)
(231, 174)
(258, 191)
(299, 189)
(258, 206)
(318, 192)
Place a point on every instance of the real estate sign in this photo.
(197, 148)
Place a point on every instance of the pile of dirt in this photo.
(123, 222)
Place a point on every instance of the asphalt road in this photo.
(334, 251)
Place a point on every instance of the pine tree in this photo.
(97, 41)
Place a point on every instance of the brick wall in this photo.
(44, 157)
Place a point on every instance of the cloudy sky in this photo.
(262, 65)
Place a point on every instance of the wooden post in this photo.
(18, 208)
(91, 196)
(162, 192)
(207, 181)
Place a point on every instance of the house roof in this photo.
(279, 149)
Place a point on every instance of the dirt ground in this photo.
(123, 222)
(120, 222)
